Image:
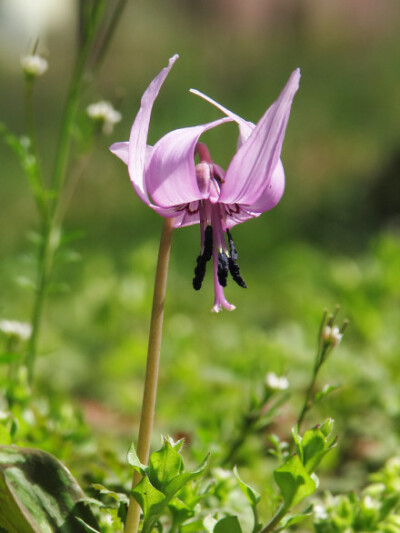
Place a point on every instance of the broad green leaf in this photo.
(180, 511)
(149, 499)
(229, 524)
(164, 466)
(252, 495)
(182, 479)
(314, 447)
(39, 495)
(294, 482)
(134, 461)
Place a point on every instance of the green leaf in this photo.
(229, 524)
(87, 527)
(252, 495)
(314, 448)
(164, 466)
(325, 391)
(291, 520)
(182, 479)
(150, 500)
(294, 482)
(134, 460)
(297, 440)
(39, 495)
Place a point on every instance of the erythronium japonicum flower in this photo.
(167, 179)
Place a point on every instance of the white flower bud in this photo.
(34, 65)
(332, 335)
(13, 328)
(275, 382)
(104, 113)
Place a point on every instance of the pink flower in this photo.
(167, 179)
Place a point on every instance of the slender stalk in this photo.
(34, 174)
(275, 519)
(49, 204)
(319, 359)
(152, 366)
(109, 33)
(43, 276)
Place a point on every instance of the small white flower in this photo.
(105, 113)
(13, 328)
(34, 65)
(320, 512)
(275, 382)
(332, 335)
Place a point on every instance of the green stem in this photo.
(48, 210)
(255, 517)
(34, 175)
(44, 270)
(319, 360)
(275, 519)
(116, 16)
(152, 366)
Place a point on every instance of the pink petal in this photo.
(121, 150)
(245, 127)
(170, 175)
(250, 172)
(139, 131)
(272, 193)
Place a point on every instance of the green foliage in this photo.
(39, 495)
(162, 483)
(377, 508)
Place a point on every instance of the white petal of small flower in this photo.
(320, 512)
(104, 111)
(275, 382)
(332, 335)
(16, 329)
(34, 65)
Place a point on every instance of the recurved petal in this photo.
(245, 127)
(170, 175)
(272, 193)
(139, 131)
(121, 150)
(251, 169)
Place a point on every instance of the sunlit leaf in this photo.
(294, 482)
(229, 524)
(39, 495)
(251, 494)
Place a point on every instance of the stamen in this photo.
(233, 266)
(199, 272)
(223, 267)
(201, 261)
(208, 243)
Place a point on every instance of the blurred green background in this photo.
(333, 239)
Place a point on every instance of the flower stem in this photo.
(48, 200)
(153, 359)
(43, 276)
(319, 359)
(275, 519)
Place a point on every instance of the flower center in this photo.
(214, 232)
